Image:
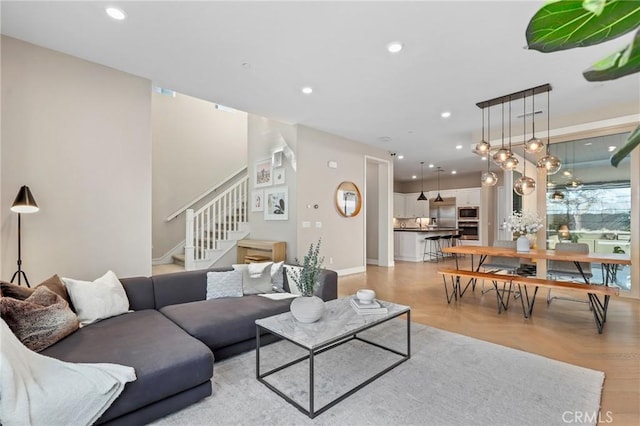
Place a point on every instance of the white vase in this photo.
(307, 309)
(522, 244)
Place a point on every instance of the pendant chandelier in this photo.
(533, 145)
(438, 199)
(550, 163)
(502, 154)
(512, 161)
(422, 197)
(483, 146)
(488, 178)
(504, 157)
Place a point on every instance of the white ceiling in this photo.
(255, 56)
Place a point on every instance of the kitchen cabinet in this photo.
(399, 205)
(468, 197)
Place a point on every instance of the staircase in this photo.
(214, 229)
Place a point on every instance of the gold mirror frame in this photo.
(348, 199)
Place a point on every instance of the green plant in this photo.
(561, 25)
(618, 249)
(306, 278)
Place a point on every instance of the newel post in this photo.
(188, 242)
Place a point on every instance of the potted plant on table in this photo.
(308, 308)
(523, 224)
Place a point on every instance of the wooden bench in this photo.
(598, 307)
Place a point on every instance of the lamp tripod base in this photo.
(20, 274)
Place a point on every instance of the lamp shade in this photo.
(24, 202)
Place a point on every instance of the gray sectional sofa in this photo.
(171, 339)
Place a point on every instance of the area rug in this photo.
(449, 380)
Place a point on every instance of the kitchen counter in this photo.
(426, 230)
(409, 242)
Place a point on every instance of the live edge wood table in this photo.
(599, 307)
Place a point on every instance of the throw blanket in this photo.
(40, 390)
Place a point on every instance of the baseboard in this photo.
(167, 257)
(372, 261)
(351, 271)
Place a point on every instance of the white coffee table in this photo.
(338, 325)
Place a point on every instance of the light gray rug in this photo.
(449, 380)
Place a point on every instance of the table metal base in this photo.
(312, 411)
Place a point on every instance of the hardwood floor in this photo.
(564, 330)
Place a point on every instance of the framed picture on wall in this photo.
(276, 205)
(262, 175)
(257, 200)
(278, 176)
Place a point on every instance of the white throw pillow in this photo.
(254, 285)
(256, 269)
(277, 277)
(291, 270)
(95, 300)
(224, 284)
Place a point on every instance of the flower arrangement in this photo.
(306, 278)
(523, 223)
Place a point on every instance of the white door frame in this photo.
(385, 213)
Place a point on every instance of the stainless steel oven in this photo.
(468, 213)
(468, 230)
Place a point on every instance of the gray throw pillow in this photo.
(224, 284)
(277, 277)
(255, 285)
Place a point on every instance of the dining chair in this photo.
(495, 264)
(561, 269)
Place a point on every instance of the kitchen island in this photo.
(409, 242)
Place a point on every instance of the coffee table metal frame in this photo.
(340, 340)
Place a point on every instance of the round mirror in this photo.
(348, 199)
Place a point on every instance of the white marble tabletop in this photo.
(338, 321)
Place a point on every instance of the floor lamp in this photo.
(24, 203)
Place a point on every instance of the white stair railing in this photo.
(213, 222)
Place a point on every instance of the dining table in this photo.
(609, 261)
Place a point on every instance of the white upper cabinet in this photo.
(468, 197)
(398, 205)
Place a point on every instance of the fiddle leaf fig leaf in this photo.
(567, 24)
(594, 6)
(632, 142)
(618, 64)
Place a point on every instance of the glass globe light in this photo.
(533, 145)
(500, 155)
(524, 185)
(557, 196)
(483, 147)
(573, 184)
(489, 179)
(510, 163)
(551, 163)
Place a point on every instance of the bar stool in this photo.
(455, 240)
(445, 241)
(432, 248)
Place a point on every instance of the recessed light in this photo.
(115, 13)
(394, 47)
(484, 158)
(612, 148)
(458, 146)
(445, 114)
(431, 166)
(414, 177)
(384, 139)
(307, 90)
(567, 173)
(453, 172)
(400, 157)
(588, 144)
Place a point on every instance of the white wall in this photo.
(79, 135)
(264, 137)
(342, 237)
(371, 211)
(195, 146)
